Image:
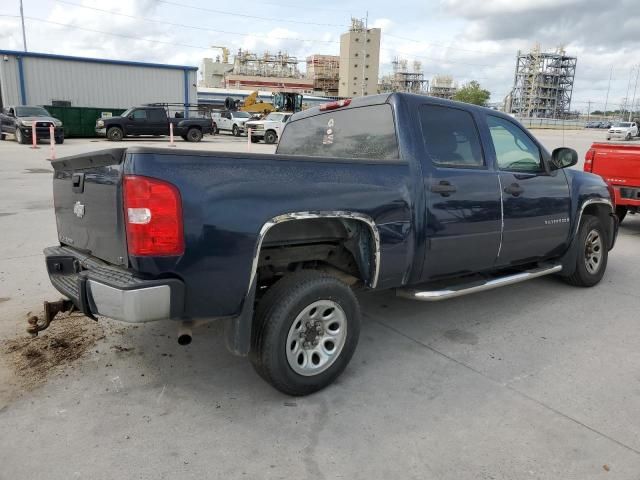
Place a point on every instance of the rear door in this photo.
(87, 196)
(536, 200)
(157, 122)
(463, 195)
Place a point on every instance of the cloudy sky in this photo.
(467, 39)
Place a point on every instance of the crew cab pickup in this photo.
(19, 121)
(432, 198)
(623, 130)
(619, 165)
(154, 121)
(270, 128)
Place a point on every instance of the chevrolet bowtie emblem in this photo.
(78, 209)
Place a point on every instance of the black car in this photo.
(19, 121)
(153, 120)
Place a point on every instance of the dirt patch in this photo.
(4, 299)
(33, 360)
(38, 170)
(3, 214)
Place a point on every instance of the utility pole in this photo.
(626, 98)
(24, 35)
(633, 101)
(588, 110)
(364, 54)
(606, 101)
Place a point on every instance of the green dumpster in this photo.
(81, 121)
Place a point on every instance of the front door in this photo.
(535, 198)
(136, 122)
(463, 195)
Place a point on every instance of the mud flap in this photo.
(237, 330)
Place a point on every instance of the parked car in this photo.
(624, 130)
(152, 120)
(605, 124)
(592, 125)
(432, 198)
(19, 120)
(619, 165)
(230, 121)
(268, 129)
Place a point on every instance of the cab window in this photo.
(451, 137)
(158, 115)
(515, 151)
(139, 114)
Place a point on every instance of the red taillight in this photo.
(588, 160)
(334, 105)
(153, 217)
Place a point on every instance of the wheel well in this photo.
(601, 211)
(343, 246)
(197, 127)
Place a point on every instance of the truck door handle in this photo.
(77, 182)
(444, 188)
(514, 189)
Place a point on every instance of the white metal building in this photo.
(28, 78)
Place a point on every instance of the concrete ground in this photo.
(538, 380)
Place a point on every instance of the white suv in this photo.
(230, 121)
(624, 130)
(270, 128)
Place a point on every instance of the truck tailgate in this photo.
(618, 164)
(87, 194)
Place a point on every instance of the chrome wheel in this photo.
(593, 252)
(316, 337)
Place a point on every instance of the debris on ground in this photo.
(33, 359)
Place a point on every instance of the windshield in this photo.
(275, 117)
(31, 112)
(126, 113)
(241, 115)
(621, 124)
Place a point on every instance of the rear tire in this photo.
(305, 332)
(621, 212)
(216, 130)
(2, 137)
(270, 137)
(115, 134)
(194, 135)
(59, 140)
(255, 139)
(592, 253)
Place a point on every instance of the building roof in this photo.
(96, 60)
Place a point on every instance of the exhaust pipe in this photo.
(184, 333)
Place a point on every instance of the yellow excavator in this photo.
(282, 102)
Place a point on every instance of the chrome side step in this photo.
(466, 289)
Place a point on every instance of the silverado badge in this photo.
(78, 209)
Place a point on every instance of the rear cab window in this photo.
(357, 133)
(451, 137)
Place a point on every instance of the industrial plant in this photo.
(543, 84)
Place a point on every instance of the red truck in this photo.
(619, 165)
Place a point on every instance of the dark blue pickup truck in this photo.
(432, 198)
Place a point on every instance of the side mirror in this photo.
(130, 117)
(563, 158)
